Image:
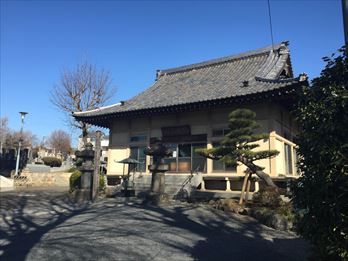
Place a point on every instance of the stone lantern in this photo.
(158, 152)
(86, 169)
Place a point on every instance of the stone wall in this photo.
(43, 180)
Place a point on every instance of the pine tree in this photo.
(238, 145)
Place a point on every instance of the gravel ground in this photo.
(45, 225)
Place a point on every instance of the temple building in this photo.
(187, 108)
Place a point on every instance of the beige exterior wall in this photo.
(273, 118)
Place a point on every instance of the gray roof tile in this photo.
(211, 80)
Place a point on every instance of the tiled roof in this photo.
(232, 76)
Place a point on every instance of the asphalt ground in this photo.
(45, 224)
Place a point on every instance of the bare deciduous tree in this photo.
(27, 137)
(83, 88)
(4, 130)
(60, 141)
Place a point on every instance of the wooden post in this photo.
(97, 148)
(203, 184)
(243, 188)
(228, 184)
(273, 161)
(248, 188)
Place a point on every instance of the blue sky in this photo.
(132, 39)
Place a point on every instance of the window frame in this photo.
(138, 147)
(177, 158)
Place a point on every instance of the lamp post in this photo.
(22, 113)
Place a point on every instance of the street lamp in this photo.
(22, 113)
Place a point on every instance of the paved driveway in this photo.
(45, 225)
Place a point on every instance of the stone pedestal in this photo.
(157, 194)
(82, 195)
(158, 151)
(86, 176)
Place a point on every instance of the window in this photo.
(220, 132)
(184, 158)
(288, 159)
(137, 153)
(220, 166)
(198, 161)
(138, 138)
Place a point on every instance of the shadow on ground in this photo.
(44, 226)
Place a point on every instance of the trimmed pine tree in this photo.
(239, 144)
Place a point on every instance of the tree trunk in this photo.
(243, 188)
(258, 171)
(266, 178)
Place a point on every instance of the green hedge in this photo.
(52, 161)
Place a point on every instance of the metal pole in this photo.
(20, 142)
(18, 155)
(345, 20)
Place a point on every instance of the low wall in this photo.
(43, 179)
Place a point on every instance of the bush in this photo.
(52, 161)
(101, 182)
(72, 169)
(321, 193)
(75, 180)
(268, 197)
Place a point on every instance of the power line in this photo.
(270, 22)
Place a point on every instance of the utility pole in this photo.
(345, 21)
(22, 113)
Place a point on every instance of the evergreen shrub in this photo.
(52, 161)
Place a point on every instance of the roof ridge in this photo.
(97, 109)
(224, 59)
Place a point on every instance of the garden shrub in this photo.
(52, 161)
(321, 193)
(75, 180)
(72, 169)
(101, 182)
(268, 197)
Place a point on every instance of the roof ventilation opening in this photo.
(245, 83)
